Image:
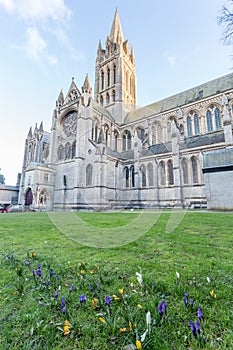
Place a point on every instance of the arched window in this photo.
(126, 177)
(68, 151)
(106, 132)
(217, 119)
(60, 153)
(101, 100)
(89, 175)
(195, 170)
(184, 165)
(150, 174)
(116, 140)
(132, 176)
(169, 131)
(196, 124)
(108, 76)
(113, 96)
(154, 136)
(189, 126)
(143, 175)
(170, 172)
(74, 149)
(96, 132)
(102, 80)
(107, 98)
(124, 142)
(114, 74)
(209, 121)
(128, 140)
(162, 177)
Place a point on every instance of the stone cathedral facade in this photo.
(102, 153)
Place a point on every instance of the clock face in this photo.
(69, 124)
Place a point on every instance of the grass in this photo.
(199, 249)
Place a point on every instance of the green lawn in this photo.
(195, 257)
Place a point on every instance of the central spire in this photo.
(116, 31)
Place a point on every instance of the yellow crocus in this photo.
(66, 328)
(213, 294)
(139, 306)
(121, 291)
(130, 326)
(138, 345)
(123, 329)
(102, 320)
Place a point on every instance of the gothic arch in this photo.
(213, 117)
(195, 166)
(43, 198)
(170, 175)
(162, 173)
(150, 173)
(106, 134)
(143, 175)
(28, 197)
(89, 175)
(185, 171)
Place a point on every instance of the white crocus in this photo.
(139, 277)
(177, 275)
(143, 336)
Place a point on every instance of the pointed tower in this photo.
(115, 74)
(73, 93)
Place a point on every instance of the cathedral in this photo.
(103, 153)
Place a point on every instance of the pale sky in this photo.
(44, 43)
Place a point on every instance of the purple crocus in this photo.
(56, 294)
(107, 300)
(51, 272)
(160, 309)
(71, 288)
(186, 294)
(164, 305)
(200, 314)
(191, 302)
(39, 272)
(193, 328)
(63, 307)
(185, 302)
(27, 263)
(34, 273)
(57, 276)
(198, 327)
(82, 298)
(91, 287)
(39, 266)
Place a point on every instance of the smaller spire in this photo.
(87, 86)
(60, 99)
(30, 132)
(35, 130)
(41, 129)
(99, 46)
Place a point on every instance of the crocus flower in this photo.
(139, 277)
(200, 314)
(50, 272)
(63, 307)
(143, 336)
(91, 287)
(57, 276)
(123, 330)
(160, 309)
(186, 294)
(130, 326)
(213, 294)
(94, 303)
(34, 273)
(185, 301)
(39, 272)
(66, 328)
(191, 302)
(56, 294)
(198, 327)
(164, 305)
(39, 266)
(82, 298)
(107, 300)
(138, 345)
(102, 320)
(148, 320)
(27, 263)
(193, 328)
(71, 288)
(177, 275)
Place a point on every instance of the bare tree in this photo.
(225, 19)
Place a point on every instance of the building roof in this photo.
(218, 158)
(199, 92)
